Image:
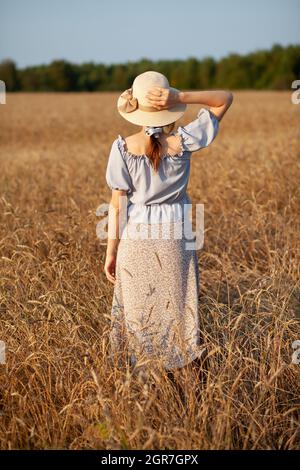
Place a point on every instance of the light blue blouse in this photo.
(159, 197)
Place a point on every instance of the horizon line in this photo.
(143, 58)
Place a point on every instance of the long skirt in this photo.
(155, 309)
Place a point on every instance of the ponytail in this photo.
(154, 147)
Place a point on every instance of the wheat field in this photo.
(58, 390)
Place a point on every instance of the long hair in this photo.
(154, 146)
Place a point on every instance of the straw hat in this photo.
(135, 108)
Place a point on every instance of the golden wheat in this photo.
(57, 388)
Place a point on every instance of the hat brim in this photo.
(154, 118)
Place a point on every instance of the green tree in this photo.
(62, 76)
(275, 68)
(9, 75)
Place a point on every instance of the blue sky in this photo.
(115, 31)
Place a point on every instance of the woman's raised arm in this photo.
(218, 101)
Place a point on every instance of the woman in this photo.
(155, 308)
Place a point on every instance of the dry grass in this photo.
(57, 389)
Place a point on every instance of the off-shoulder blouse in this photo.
(162, 196)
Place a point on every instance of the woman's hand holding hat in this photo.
(162, 98)
(151, 101)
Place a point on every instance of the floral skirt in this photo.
(155, 307)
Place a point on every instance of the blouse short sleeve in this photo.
(200, 132)
(117, 174)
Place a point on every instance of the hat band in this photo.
(130, 103)
(147, 108)
(127, 108)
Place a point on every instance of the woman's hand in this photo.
(162, 98)
(110, 267)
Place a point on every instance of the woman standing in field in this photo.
(155, 309)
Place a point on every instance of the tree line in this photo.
(273, 69)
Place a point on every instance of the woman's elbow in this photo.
(229, 98)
